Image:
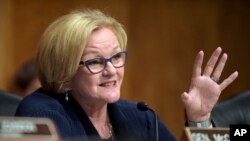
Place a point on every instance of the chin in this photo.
(113, 99)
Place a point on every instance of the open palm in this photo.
(205, 89)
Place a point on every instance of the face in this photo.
(103, 86)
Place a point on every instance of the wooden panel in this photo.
(6, 54)
(164, 37)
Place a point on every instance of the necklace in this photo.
(111, 132)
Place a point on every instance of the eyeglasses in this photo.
(97, 65)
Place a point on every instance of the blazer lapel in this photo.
(123, 129)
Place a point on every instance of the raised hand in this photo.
(206, 86)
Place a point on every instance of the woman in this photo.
(80, 60)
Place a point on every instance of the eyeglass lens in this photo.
(98, 64)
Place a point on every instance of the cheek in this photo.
(121, 73)
(80, 79)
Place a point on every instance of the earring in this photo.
(66, 96)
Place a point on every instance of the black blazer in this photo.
(129, 123)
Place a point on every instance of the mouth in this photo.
(108, 84)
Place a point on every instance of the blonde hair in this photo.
(63, 42)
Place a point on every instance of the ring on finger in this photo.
(215, 79)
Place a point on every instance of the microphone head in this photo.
(143, 106)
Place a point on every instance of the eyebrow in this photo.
(96, 50)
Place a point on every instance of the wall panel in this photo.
(164, 37)
(6, 44)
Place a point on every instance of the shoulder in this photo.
(126, 104)
(130, 109)
(144, 121)
(38, 102)
(132, 105)
(52, 106)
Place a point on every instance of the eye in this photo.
(93, 62)
(117, 56)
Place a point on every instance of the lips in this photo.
(106, 84)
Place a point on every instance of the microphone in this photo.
(143, 106)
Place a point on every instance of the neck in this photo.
(93, 108)
(102, 124)
(98, 115)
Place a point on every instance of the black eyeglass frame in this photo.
(85, 63)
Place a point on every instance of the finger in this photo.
(218, 70)
(229, 80)
(212, 61)
(185, 97)
(197, 64)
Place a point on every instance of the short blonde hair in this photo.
(63, 42)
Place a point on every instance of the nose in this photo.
(109, 69)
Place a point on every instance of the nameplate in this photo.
(206, 134)
(27, 128)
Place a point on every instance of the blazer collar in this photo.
(123, 129)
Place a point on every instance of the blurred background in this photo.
(164, 37)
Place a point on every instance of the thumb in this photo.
(185, 97)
